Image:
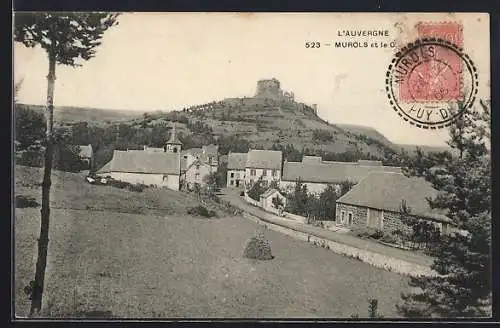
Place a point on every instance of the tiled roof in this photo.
(264, 159)
(385, 191)
(236, 161)
(331, 172)
(144, 162)
(86, 151)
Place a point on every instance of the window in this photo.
(232, 182)
(274, 173)
(349, 220)
(232, 175)
(197, 166)
(165, 178)
(197, 176)
(252, 172)
(264, 172)
(342, 217)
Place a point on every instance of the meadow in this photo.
(139, 255)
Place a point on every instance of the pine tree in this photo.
(462, 287)
(68, 39)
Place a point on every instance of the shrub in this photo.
(201, 211)
(258, 248)
(137, 187)
(367, 232)
(389, 238)
(26, 201)
(118, 184)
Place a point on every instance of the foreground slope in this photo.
(146, 264)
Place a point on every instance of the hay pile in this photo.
(258, 248)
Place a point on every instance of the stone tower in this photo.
(269, 88)
(173, 145)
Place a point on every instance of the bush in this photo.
(118, 184)
(201, 211)
(137, 187)
(26, 201)
(389, 238)
(258, 248)
(367, 232)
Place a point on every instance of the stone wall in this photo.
(391, 220)
(358, 214)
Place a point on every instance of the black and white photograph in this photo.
(209, 165)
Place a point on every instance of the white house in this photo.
(160, 169)
(194, 171)
(317, 174)
(236, 163)
(87, 155)
(265, 164)
(266, 201)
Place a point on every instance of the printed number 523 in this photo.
(312, 44)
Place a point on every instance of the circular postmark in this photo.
(431, 82)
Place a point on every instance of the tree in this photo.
(327, 200)
(30, 126)
(298, 200)
(67, 38)
(462, 287)
(210, 182)
(221, 175)
(345, 186)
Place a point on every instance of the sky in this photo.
(165, 61)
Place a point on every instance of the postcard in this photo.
(251, 165)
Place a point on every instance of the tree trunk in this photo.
(43, 241)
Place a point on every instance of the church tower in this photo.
(173, 145)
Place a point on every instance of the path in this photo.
(342, 238)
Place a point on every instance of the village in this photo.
(374, 201)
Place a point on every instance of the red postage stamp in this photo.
(438, 77)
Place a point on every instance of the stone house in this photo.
(160, 169)
(263, 164)
(317, 174)
(376, 201)
(236, 163)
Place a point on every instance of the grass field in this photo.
(131, 261)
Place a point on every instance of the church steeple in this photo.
(173, 144)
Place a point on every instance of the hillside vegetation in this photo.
(236, 124)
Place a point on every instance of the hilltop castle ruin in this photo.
(271, 89)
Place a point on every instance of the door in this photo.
(237, 183)
(375, 219)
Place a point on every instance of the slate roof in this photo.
(143, 162)
(86, 151)
(332, 172)
(269, 192)
(236, 161)
(264, 159)
(385, 191)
